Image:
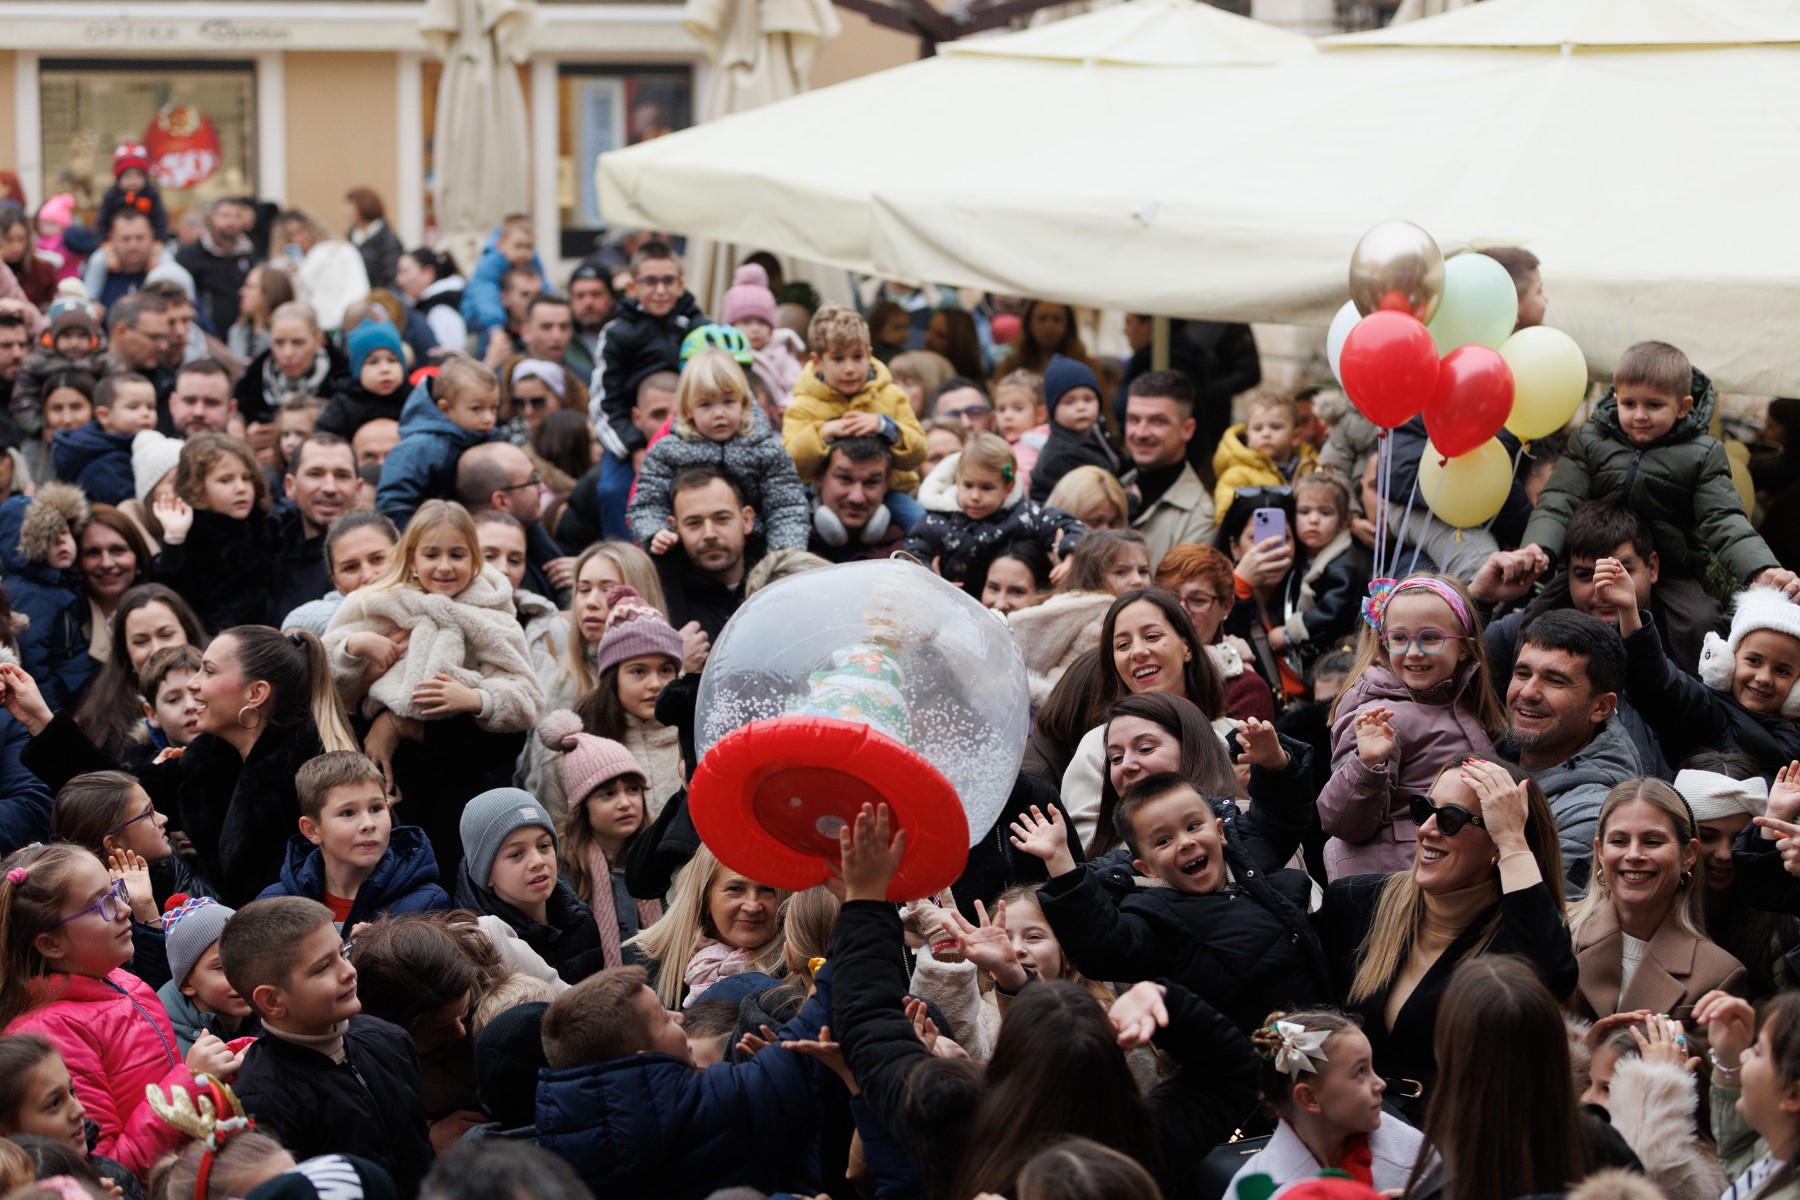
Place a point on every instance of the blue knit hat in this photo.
(370, 336)
(1063, 376)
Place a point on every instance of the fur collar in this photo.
(57, 507)
(938, 491)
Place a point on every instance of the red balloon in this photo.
(1389, 367)
(1473, 398)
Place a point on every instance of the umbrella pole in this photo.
(1159, 343)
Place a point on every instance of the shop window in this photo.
(601, 108)
(196, 119)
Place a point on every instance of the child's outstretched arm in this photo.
(1361, 788)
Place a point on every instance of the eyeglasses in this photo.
(536, 481)
(148, 812)
(656, 282)
(1429, 641)
(1199, 601)
(115, 904)
(1450, 817)
(963, 414)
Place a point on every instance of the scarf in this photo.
(330, 1043)
(238, 249)
(277, 387)
(1358, 1161)
(1753, 1178)
(711, 963)
(602, 903)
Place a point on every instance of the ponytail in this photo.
(31, 897)
(298, 673)
(322, 695)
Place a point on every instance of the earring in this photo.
(1687, 877)
(243, 724)
(1494, 861)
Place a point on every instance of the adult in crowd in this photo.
(1172, 504)
(545, 332)
(356, 550)
(591, 306)
(849, 521)
(265, 289)
(16, 320)
(321, 487)
(188, 340)
(149, 618)
(1202, 579)
(202, 400)
(431, 284)
(328, 274)
(111, 557)
(703, 577)
(35, 273)
(1219, 361)
(122, 265)
(1045, 330)
(374, 440)
(1055, 630)
(219, 261)
(137, 334)
(961, 399)
(499, 476)
(520, 288)
(1563, 726)
(369, 233)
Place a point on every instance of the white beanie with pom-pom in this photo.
(1757, 609)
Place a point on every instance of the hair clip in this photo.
(1374, 605)
(815, 965)
(16, 876)
(1008, 472)
(1301, 1051)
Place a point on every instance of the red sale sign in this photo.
(183, 146)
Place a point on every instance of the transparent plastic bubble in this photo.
(888, 644)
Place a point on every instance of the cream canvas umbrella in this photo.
(480, 144)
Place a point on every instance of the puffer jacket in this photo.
(474, 637)
(755, 462)
(633, 346)
(52, 648)
(962, 546)
(117, 1041)
(1236, 465)
(1364, 808)
(1577, 787)
(1065, 450)
(570, 942)
(98, 461)
(405, 880)
(815, 403)
(423, 466)
(1681, 483)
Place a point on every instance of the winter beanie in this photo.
(153, 455)
(634, 627)
(70, 314)
(370, 336)
(749, 297)
(1711, 795)
(490, 819)
(128, 155)
(190, 926)
(1757, 608)
(587, 761)
(508, 1056)
(59, 208)
(1064, 375)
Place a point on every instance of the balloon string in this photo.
(1384, 475)
(1437, 494)
(1523, 446)
(1380, 518)
(1418, 543)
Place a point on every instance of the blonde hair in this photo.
(712, 373)
(686, 925)
(1084, 489)
(777, 565)
(991, 452)
(463, 374)
(294, 310)
(432, 514)
(516, 989)
(835, 327)
(635, 570)
(1260, 399)
(1022, 381)
(1689, 893)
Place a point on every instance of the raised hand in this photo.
(1505, 802)
(1784, 794)
(1778, 577)
(760, 1038)
(20, 696)
(1139, 1013)
(1375, 736)
(827, 1051)
(1262, 745)
(134, 869)
(176, 518)
(1787, 841)
(989, 946)
(1604, 1028)
(1662, 1039)
(1045, 838)
(869, 853)
(1613, 588)
(695, 646)
(1730, 1026)
(663, 540)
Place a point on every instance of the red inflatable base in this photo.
(770, 798)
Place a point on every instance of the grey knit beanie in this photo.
(189, 928)
(490, 819)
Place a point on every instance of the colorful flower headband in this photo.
(1300, 1051)
(1383, 591)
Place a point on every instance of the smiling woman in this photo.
(717, 924)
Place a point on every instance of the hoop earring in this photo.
(243, 724)
(1687, 877)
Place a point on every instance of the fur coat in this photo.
(1052, 635)
(1653, 1109)
(474, 636)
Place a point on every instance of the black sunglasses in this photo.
(1450, 817)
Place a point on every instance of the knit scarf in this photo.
(606, 915)
(279, 386)
(1753, 1178)
(711, 963)
(237, 249)
(1358, 1161)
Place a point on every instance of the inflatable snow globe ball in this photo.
(865, 683)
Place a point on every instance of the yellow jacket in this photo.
(815, 403)
(1238, 466)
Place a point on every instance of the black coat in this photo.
(1687, 715)
(217, 281)
(1531, 927)
(1221, 361)
(570, 942)
(694, 596)
(356, 406)
(381, 253)
(1063, 452)
(255, 402)
(634, 346)
(304, 574)
(239, 812)
(370, 1104)
(1197, 1107)
(229, 570)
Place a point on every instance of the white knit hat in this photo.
(1757, 608)
(1712, 795)
(153, 455)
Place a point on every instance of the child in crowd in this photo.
(444, 416)
(132, 188)
(71, 343)
(300, 361)
(716, 422)
(38, 549)
(154, 457)
(604, 787)
(844, 393)
(232, 1162)
(1330, 577)
(638, 656)
(198, 997)
(509, 871)
(68, 403)
(218, 543)
(37, 1099)
(1643, 1079)
(943, 437)
(97, 456)
(1754, 1082)
(1265, 451)
(975, 504)
(1018, 577)
(1647, 445)
(66, 938)
(503, 547)
(750, 307)
(512, 246)
(286, 958)
(349, 855)
(1193, 929)
(644, 339)
(110, 813)
(295, 421)
(378, 367)
(1319, 1078)
(1077, 437)
(1418, 699)
(1019, 418)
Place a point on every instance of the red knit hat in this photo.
(634, 627)
(128, 155)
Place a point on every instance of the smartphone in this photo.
(1268, 523)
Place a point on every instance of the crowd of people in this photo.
(355, 612)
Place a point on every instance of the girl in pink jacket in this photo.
(65, 935)
(1418, 700)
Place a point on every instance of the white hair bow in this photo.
(1300, 1048)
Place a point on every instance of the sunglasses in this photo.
(1450, 817)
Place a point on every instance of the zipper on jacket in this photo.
(168, 1050)
(1637, 458)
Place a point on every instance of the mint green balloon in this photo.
(1480, 305)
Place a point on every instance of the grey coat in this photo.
(1577, 787)
(756, 463)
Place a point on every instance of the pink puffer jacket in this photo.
(116, 1039)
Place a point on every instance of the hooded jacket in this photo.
(189, 1022)
(481, 304)
(423, 465)
(1577, 787)
(52, 648)
(229, 569)
(405, 880)
(1236, 465)
(816, 402)
(962, 546)
(570, 942)
(1680, 483)
(755, 462)
(633, 346)
(98, 461)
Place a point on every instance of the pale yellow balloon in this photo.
(1550, 377)
(1466, 491)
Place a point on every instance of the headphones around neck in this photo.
(832, 532)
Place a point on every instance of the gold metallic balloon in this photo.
(1397, 266)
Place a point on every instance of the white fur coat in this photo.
(1652, 1107)
(474, 637)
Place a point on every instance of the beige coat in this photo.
(1183, 514)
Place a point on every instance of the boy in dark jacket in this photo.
(71, 343)
(322, 1078)
(378, 374)
(442, 418)
(38, 550)
(97, 456)
(1077, 439)
(347, 855)
(624, 1105)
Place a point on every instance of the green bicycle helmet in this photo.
(716, 337)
